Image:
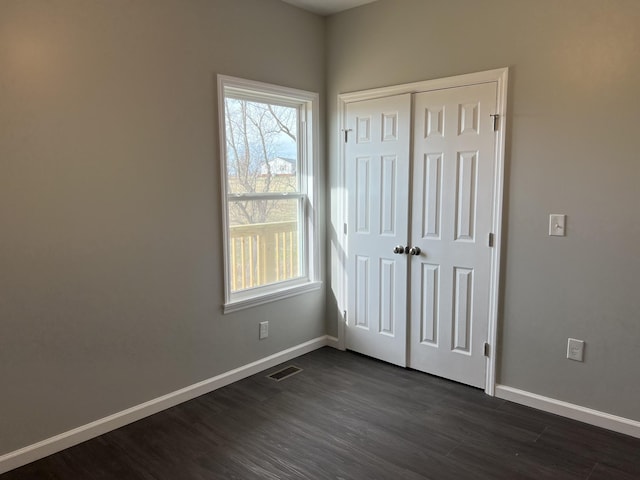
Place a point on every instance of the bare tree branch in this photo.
(283, 128)
(255, 132)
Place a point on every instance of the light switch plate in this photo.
(557, 225)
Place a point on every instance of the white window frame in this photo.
(309, 176)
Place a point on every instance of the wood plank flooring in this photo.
(346, 417)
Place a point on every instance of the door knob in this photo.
(399, 249)
(414, 251)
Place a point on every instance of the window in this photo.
(268, 150)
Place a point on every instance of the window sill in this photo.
(286, 292)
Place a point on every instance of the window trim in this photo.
(309, 178)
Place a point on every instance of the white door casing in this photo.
(452, 196)
(377, 169)
(425, 265)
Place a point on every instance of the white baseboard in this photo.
(333, 342)
(91, 430)
(570, 410)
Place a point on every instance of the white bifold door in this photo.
(420, 172)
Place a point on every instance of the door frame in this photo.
(500, 76)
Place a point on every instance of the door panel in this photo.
(452, 200)
(377, 170)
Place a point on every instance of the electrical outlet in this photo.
(575, 350)
(264, 330)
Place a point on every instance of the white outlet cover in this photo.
(575, 350)
(264, 330)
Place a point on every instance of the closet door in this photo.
(377, 172)
(452, 203)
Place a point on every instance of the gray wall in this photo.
(574, 104)
(110, 243)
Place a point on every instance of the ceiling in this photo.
(327, 7)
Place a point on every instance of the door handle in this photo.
(414, 251)
(400, 250)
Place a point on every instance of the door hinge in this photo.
(346, 134)
(495, 117)
(344, 316)
(345, 228)
(487, 349)
(490, 240)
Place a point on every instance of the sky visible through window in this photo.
(258, 133)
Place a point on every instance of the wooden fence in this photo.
(263, 253)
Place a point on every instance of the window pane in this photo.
(262, 152)
(265, 245)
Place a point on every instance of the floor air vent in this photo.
(284, 373)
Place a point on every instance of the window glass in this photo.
(262, 148)
(268, 188)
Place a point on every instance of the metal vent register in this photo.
(286, 372)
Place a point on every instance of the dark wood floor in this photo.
(347, 417)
